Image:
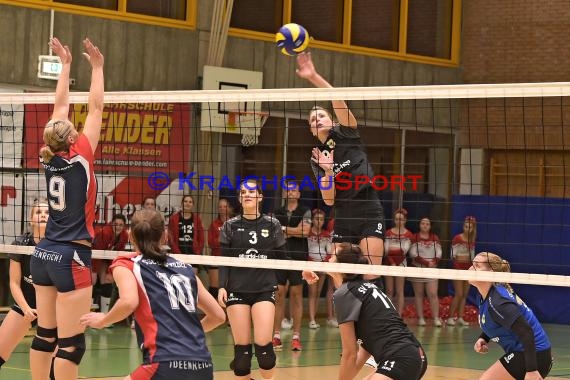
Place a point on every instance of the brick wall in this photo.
(516, 41)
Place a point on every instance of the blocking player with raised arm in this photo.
(61, 263)
(248, 294)
(340, 157)
(165, 296)
(507, 320)
(366, 313)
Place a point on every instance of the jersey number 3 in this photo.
(179, 291)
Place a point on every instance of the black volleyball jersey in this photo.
(259, 239)
(26, 283)
(297, 247)
(376, 321)
(186, 235)
(350, 161)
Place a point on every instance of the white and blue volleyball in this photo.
(292, 39)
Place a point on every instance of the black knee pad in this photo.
(242, 360)
(265, 356)
(77, 342)
(106, 290)
(39, 343)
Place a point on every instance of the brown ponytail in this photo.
(147, 230)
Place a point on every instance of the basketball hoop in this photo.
(248, 124)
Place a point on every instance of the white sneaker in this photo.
(286, 324)
(421, 322)
(462, 322)
(371, 362)
(314, 325)
(450, 322)
(437, 322)
(332, 323)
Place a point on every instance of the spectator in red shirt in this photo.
(113, 237)
(185, 230)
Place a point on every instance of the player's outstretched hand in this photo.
(310, 276)
(481, 346)
(305, 67)
(92, 54)
(94, 320)
(323, 158)
(62, 51)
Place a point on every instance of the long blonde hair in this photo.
(56, 133)
(498, 264)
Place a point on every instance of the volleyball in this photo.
(292, 39)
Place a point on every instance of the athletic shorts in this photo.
(407, 363)
(174, 370)
(514, 363)
(236, 298)
(65, 265)
(357, 219)
(19, 310)
(294, 277)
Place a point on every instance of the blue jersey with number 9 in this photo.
(71, 192)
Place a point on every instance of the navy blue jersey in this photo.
(71, 191)
(168, 323)
(26, 284)
(376, 321)
(350, 161)
(496, 316)
(259, 239)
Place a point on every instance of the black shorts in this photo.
(236, 298)
(294, 277)
(514, 363)
(407, 363)
(174, 370)
(19, 310)
(357, 219)
(65, 265)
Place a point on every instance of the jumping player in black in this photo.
(170, 332)
(341, 165)
(248, 294)
(61, 263)
(366, 313)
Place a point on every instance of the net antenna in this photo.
(248, 124)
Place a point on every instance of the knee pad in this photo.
(39, 343)
(77, 342)
(265, 356)
(242, 360)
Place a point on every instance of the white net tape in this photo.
(450, 274)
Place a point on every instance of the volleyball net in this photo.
(497, 152)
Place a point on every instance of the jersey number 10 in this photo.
(179, 291)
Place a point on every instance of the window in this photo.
(375, 24)
(267, 15)
(325, 18)
(414, 30)
(429, 28)
(169, 13)
(103, 4)
(175, 9)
